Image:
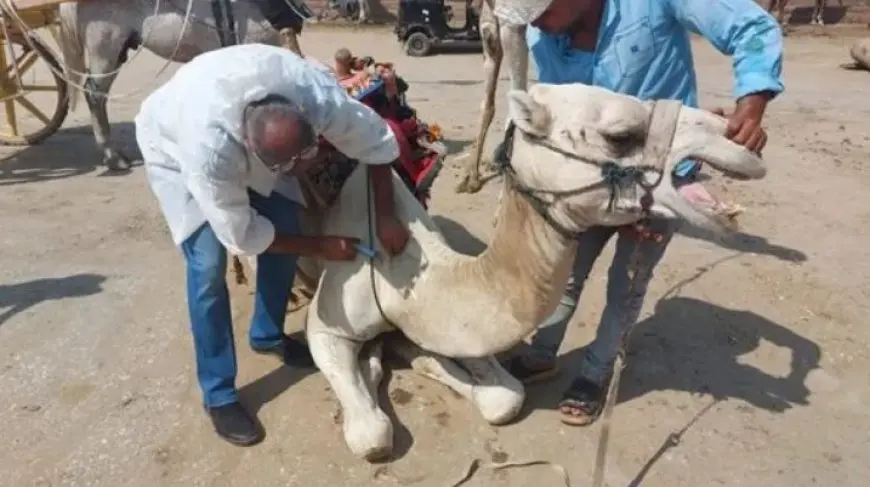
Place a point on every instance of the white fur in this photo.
(469, 308)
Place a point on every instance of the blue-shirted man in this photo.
(641, 49)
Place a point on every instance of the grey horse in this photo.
(96, 37)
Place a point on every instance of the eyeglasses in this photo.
(306, 155)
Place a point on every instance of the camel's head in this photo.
(572, 136)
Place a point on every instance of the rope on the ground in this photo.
(476, 465)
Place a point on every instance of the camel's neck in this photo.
(485, 305)
(527, 260)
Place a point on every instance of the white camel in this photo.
(448, 304)
(97, 35)
(500, 41)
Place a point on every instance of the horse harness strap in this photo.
(662, 127)
(225, 22)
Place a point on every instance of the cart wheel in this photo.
(24, 80)
(418, 44)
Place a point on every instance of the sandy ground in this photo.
(96, 365)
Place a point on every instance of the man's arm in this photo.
(217, 186)
(744, 31)
(741, 29)
(359, 133)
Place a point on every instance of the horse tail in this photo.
(73, 51)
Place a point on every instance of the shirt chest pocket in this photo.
(634, 48)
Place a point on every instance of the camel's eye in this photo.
(623, 138)
(625, 142)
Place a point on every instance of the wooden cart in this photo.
(27, 122)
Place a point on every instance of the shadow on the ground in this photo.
(264, 390)
(403, 440)
(742, 242)
(267, 388)
(18, 297)
(693, 346)
(68, 153)
(455, 147)
(459, 239)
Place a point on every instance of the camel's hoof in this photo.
(369, 436)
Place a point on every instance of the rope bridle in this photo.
(662, 127)
(661, 130)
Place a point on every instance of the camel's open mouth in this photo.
(723, 212)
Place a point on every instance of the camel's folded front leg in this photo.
(367, 429)
(496, 394)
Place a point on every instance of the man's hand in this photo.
(744, 125)
(392, 234)
(337, 248)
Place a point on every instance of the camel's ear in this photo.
(530, 116)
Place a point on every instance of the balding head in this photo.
(277, 132)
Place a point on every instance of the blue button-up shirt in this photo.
(644, 50)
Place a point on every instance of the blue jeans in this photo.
(208, 299)
(621, 309)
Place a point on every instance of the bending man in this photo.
(221, 141)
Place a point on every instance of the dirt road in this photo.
(96, 366)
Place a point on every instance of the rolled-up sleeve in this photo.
(217, 185)
(743, 30)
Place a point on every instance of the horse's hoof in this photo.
(469, 185)
(115, 161)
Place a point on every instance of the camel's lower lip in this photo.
(698, 195)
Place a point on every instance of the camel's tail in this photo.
(73, 52)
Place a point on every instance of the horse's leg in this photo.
(495, 393)
(819, 13)
(105, 59)
(492, 56)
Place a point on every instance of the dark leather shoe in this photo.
(234, 424)
(291, 351)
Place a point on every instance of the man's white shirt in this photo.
(190, 134)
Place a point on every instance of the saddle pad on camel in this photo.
(322, 183)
